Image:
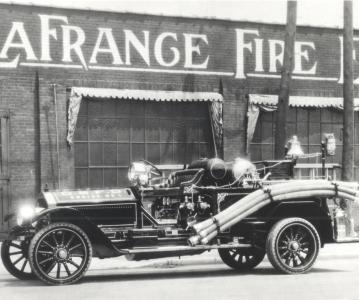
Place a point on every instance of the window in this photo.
(309, 125)
(112, 133)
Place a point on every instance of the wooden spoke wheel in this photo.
(293, 245)
(60, 253)
(242, 259)
(14, 255)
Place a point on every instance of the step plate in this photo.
(182, 248)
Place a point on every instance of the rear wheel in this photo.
(241, 259)
(60, 253)
(14, 255)
(293, 245)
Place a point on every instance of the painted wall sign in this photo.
(252, 51)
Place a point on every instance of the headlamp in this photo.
(26, 214)
(138, 173)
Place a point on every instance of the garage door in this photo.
(111, 133)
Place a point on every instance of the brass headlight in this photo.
(138, 173)
(26, 214)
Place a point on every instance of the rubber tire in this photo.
(39, 235)
(9, 266)
(273, 236)
(228, 260)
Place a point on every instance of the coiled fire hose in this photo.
(295, 189)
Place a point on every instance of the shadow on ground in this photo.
(170, 274)
(162, 274)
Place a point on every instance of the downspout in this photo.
(57, 138)
(37, 134)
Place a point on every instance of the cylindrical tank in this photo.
(215, 167)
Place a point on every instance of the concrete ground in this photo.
(335, 276)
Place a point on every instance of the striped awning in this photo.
(301, 101)
(149, 95)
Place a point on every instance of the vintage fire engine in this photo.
(242, 209)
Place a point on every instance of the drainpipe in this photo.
(37, 134)
(57, 138)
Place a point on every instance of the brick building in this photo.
(83, 93)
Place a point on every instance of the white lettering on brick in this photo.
(142, 48)
(47, 32)
(158, 50)
(106, 34)
(191, 49)
(75, 46)
(18, 29)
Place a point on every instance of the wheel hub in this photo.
(62, 253)
(294, 246)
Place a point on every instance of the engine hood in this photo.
(87, 197)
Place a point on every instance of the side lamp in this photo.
(330, 144)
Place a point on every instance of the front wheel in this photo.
(60, 253)
(293, 245)
(14, 255)
(241, 259)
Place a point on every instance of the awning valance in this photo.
(300, 101)
(213, 99)
(151, 95)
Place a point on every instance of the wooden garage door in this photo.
(112, 133)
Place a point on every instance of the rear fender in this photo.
(313, 210)
(102, 246)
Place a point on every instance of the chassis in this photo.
(147, 221)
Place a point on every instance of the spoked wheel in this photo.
(14, 255)
(241, 259)
(60, 253)
(293, 245)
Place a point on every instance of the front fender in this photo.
(102, 246)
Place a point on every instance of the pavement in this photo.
(202, 277)
(329, 251)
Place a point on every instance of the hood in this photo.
(87, 197)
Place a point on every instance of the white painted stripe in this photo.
(161, 70)
(265, 75)
(46, 65)
(315, 78)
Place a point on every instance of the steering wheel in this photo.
(154, 170)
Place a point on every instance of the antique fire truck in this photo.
(241, 209)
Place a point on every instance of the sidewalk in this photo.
(330, 251)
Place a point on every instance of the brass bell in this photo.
(295, 150)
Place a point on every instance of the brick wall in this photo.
(17, 85)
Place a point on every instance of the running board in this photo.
(182, 248)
